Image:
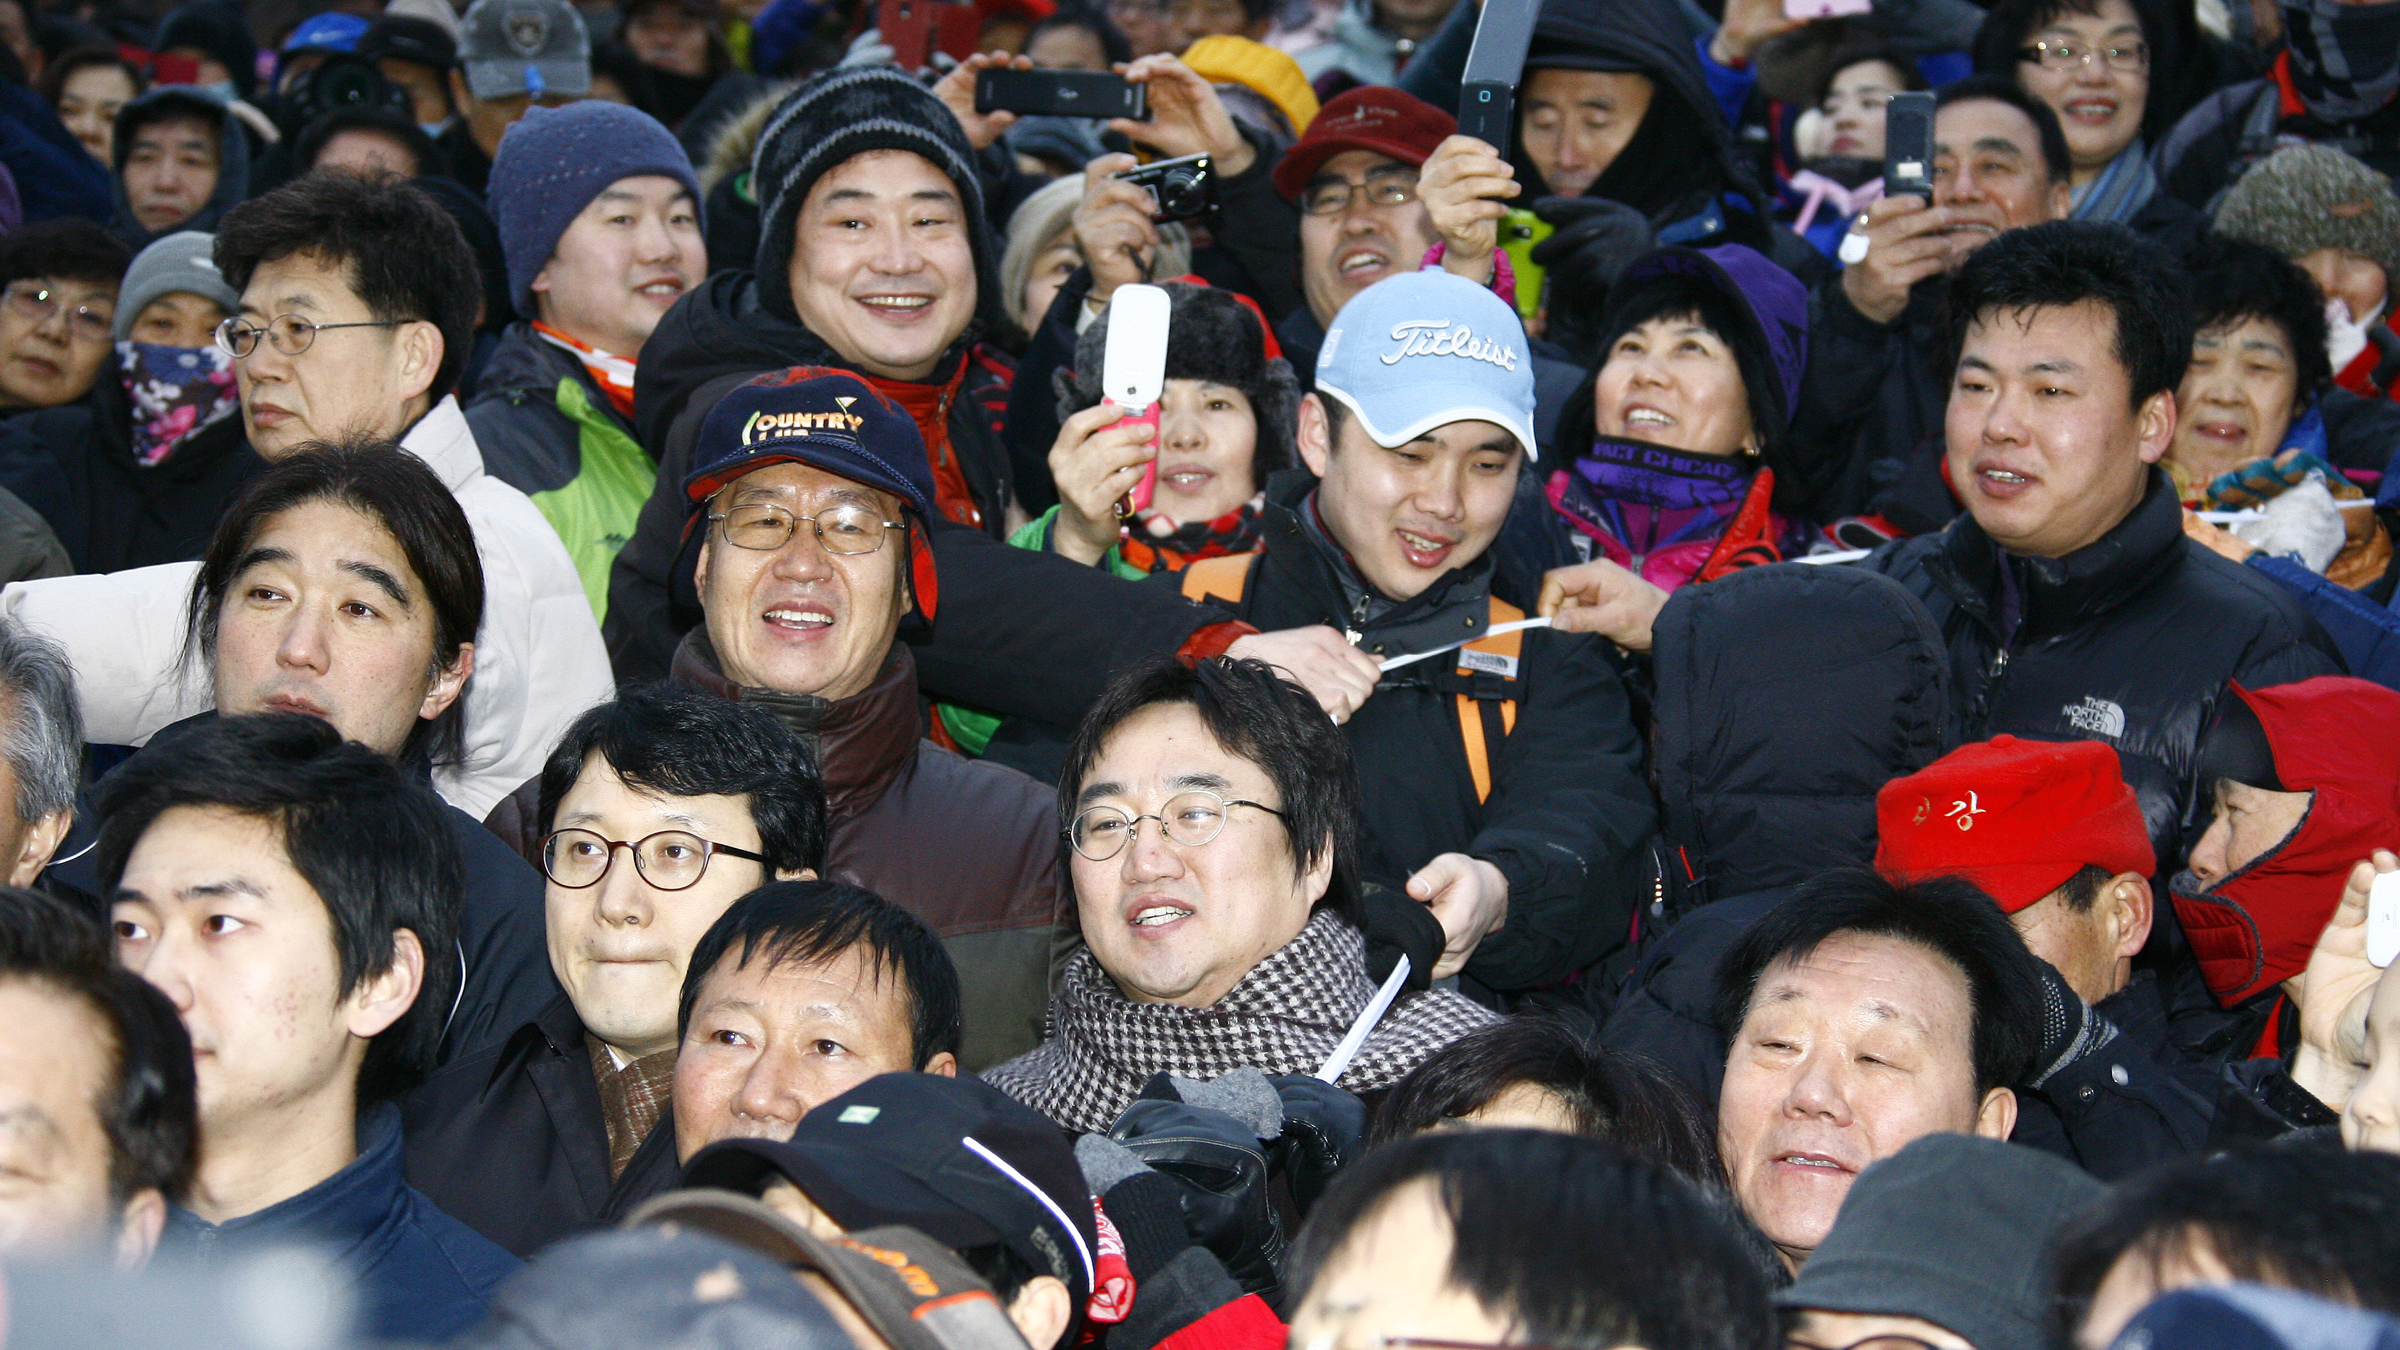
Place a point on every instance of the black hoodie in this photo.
(1008, 618)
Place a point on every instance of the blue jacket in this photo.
(422, 1275)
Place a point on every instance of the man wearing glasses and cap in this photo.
(658, 812)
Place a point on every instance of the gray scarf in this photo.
(1285, 1016)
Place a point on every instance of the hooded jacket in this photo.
(2331, 737)
(233, 160)
(1007, 614)
(2130, 640)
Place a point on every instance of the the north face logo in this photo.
(2097, 716)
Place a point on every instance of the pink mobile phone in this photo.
(1138, 500)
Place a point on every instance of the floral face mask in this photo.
(175, 391)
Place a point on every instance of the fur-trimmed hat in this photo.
(847, 112)
(1211, 335)
(2306, 197)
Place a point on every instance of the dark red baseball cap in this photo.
(2016, 817)
(1372, 117)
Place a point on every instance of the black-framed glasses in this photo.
(290, 333)
(671, 860)
(840, 529)
(1386, 187)
(38, 301)
(2131, 58)
(1189, 818)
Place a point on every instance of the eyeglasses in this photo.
(1190, 819)
(1333, 196)
(290, 333)
(840, 529)
(671, 860)
(38, 302)
(2132, 57)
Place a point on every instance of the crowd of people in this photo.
(613, 730)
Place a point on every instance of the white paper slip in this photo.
(1846, 555)
(1338, 1063)
(1494, 631)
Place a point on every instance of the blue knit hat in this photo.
(553, 161)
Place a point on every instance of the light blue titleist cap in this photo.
(1423, 349)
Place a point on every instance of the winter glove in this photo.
(1398, 926)
(1222, 1168)
(1323, 1129)
(1176, 1283)
(2070, 1028)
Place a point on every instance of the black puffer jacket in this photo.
(1005, 614)
(2129, 641)
(1568, 821)
(1753, 797)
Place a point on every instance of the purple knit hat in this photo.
(1773, 299)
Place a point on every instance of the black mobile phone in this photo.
(1908, 146)
(1059, 93)
(1184, 188)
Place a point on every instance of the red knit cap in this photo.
(1373, 117)
(2017, 818)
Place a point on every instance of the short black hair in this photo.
(367, 836)
(147, 1104)
(2069, 262)
(1946, 917)
(67, 64)
(2082, 891)
(1114, 45)
(401, 252)
(2234, 280)
(1857, 52)
(1256, 713)
(1624, 1099)
(1674, 1273)
(402, 493)
(67, 249)
(383, 122)
(797, 923)
(679, 742)
(2302, 1216)
(1996, 89)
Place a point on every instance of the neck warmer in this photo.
(2338, 739)
(1161, 545)
(175, 391)
(2345, 58)
(928, 405)
(1670, 516)
(1285, 1016)
(613, 373)
(2120, 190)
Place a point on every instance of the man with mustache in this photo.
(1872, 398)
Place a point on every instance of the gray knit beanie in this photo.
(179, 262)
(2306, 197)
(1212, 336)
(553, 161)
(1954, 1229)
(846, 112)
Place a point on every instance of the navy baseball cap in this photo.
(1424, 349)
(953, 1158)
(825, 418)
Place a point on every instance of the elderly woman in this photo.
(1689, 407)
(1213, 816)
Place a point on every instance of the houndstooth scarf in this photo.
(1285, 1016)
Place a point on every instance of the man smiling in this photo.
(2067, 585)
(1502, 785)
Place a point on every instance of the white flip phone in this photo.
(1133, 370)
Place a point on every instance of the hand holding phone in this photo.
(1133, 371)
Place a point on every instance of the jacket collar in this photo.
(349, 1209)
(446, 443)
(862, 743)
(2058, 594)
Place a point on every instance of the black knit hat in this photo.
(1212, 336)
(849, 112)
